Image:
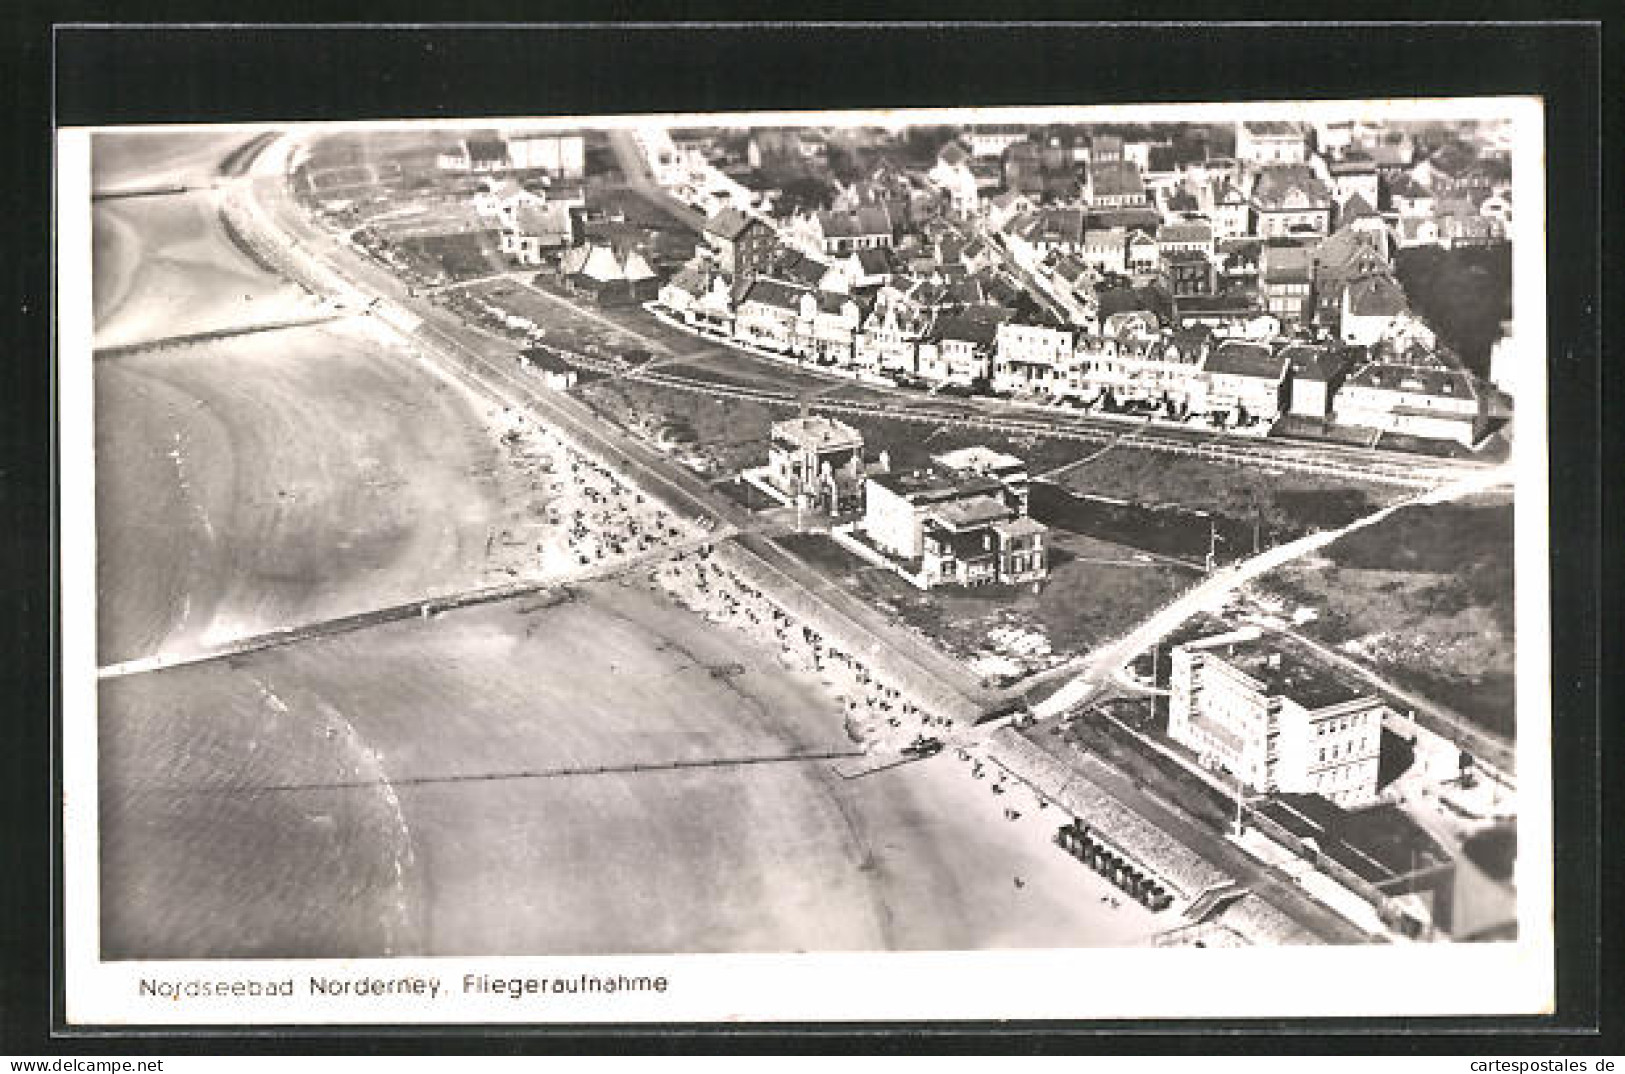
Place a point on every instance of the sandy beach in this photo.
(416, 787)
(456, 840)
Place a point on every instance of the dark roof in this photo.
(1162, 158)
(874, 260)
(774, 293)
(1245, 360)
(487, 149)
(1376, 296)
(1273, 129)
(1285, 263)
(1277, 182)
(971, 330)
(1051, 225)
(1311, 361)
(730, 223)
(864, 222)
(1112, 178)
(1285, 673)
(1357, 207)
(1125, 218)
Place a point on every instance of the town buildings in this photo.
(1271, 142)
(963, 521)
(1091, 292)
(816, 462)
(741, 242)
(1273, 720)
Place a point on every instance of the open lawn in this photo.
(1426, 598)
(1096, 591)
(732, 433)
(1285, 504)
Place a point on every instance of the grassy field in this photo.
(1286, 504)
(1425, 597)
(1096, 591)
(732, 433)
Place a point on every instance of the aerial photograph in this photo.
(522, 538)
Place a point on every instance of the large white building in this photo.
(1276, 722)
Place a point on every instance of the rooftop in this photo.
(1238, 359)
(1280, 185)
(730, 223)
(1280, 671)
(868, 221)
(979, 460)
(817, 432)
(1285, 264)
(1310, 361)
(1273, 129)
(971, 512)
(1186, 231)
(1376, 296)
(1115, 178)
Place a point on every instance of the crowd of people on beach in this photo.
(591, 515)
(877, 711)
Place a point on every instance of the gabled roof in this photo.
(1346, 252)
(1285, 264)
(873, 261)
(1186, 231)
(1278, 182)
(1310, 361)
(953, 154)
(774, 293)
(1115, 178)
(730, 223)
(1404, 186)
(1234, 358)
(1357, 208)
(867, 222)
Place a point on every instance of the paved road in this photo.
(1265, 882)
(1096, 669)
(635, 166)
(1438, 718)
(492, 365)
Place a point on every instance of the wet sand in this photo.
(164, 266)
(375, 793)
(444, 726)
(272, 480)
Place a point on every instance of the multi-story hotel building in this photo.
(1275, 721)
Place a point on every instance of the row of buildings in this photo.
(1237, 289)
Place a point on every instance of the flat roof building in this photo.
(1276, 721)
